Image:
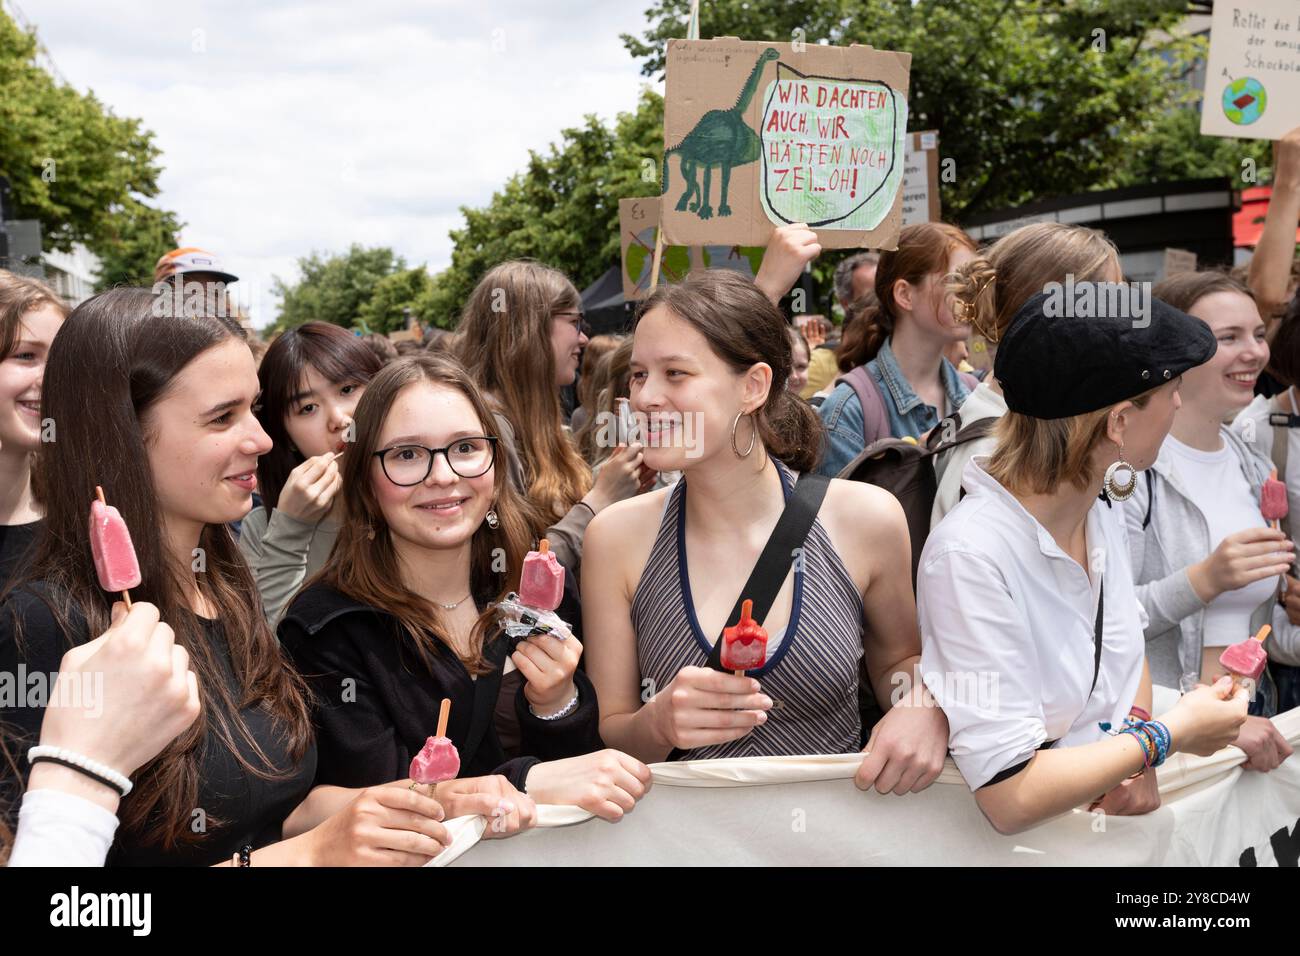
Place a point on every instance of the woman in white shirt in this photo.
(1271, 426)
(1030, 630)
(1206, 562)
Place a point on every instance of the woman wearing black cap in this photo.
(1030, 628)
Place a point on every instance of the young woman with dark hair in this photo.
(710, 362)
(30, 316)
(403, 613)
(901, 349)
(312, 377)
(520, 337)
(157, 409)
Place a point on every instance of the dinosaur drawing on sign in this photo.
(721, 138)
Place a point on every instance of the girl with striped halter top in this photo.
(709, 366)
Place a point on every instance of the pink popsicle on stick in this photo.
(541, 583)
(438, 759)
(1272, 500)
(110, 545)
(1246, 659)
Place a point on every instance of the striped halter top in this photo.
(811, 676)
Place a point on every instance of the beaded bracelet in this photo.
(564, 711)
(82, 764)
(1152, 735)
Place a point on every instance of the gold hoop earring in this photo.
(753, 434)
(1114, 490)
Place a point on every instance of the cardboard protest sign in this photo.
(921, 178)
(637, 223)
(758, 135)
(1252, 77)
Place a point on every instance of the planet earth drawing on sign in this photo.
(1244, 100)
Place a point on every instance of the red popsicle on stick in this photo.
(110, 545)
(744, 647)
(438, 759)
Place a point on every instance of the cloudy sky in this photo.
(288, 127)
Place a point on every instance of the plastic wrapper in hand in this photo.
(520, 621)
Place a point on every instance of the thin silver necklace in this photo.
(452, 607)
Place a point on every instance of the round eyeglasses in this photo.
(407, 465)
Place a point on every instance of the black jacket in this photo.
(375, 702)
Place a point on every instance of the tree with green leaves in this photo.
(562, 209)
(334, 288)
(385, 310)
(80, 170)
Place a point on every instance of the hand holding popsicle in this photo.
(1241, 558)
(110, 545)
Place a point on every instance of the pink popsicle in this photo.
(541, 585)
(1272, 499)
(110, 545)
(1246, 659)
(438, 759)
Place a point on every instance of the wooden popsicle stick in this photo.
(443, 714)
(126, 595)
(740, 673)
(543, 546)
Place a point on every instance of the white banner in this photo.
(805, 811)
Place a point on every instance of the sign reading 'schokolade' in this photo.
(757, 135)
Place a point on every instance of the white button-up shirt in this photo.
(1007, 625)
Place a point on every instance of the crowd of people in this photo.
(326, 524)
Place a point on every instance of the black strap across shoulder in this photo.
(774, 563)
(1096, 670)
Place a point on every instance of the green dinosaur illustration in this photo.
(721, 138)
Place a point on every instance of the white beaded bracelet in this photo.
(564, 711)
(70, 758)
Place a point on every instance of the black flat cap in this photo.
(1073, 350)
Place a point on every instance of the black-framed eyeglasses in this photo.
(406, 465)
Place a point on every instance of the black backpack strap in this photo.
(774, 563)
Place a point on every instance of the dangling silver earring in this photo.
(753, 434)
(1114, 490)
(493, 521)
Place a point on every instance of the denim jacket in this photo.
(908, 415)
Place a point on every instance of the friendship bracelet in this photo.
(1152, 735)
(1139, 713)
(81, 763)
(564, 711)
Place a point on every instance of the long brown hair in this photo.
(114, 359)
(341, 357)
(744, 328)
(923, 250)
(504, 341)
(364, 565)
